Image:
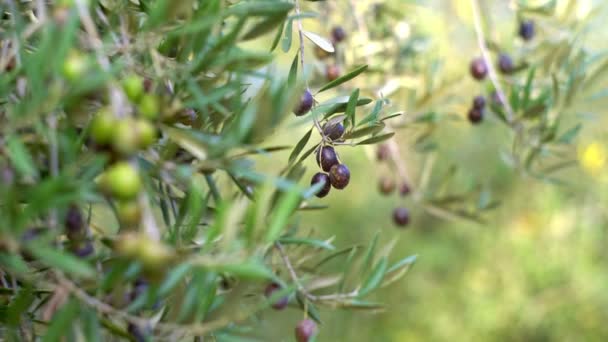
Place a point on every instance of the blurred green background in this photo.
(535, 270)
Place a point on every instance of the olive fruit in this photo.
(386, 185)
(305, 104)
(82, 248)
(475, 115)
(137, 334)
(404, 189)
(338, 34)
(478, 68)
(339, 176)
(333, 132)
(139, 287)
(124, 140)
(383, 152)
(145, 133)
(129, 213)
(332, 72)
(479, 102)
(327, 157)
(153, 255)
(122, 180)
(103, 126)
(133, 85)
(74, 66)
(74, 224)
(526, 30)
(149, 107)
(280, 303)
(401, 216)
(305, 330)
(505, 64)
(318, 178)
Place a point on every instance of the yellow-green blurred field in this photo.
(535, 270)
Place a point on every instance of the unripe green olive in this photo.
(133, 85)
(124, 140)
(149, 107)
(103, 126)
(145, 133)
(122, 181)
(153, 255)
(74, 66)
(129, 213)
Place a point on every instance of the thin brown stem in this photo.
(481, 42)
(302, 65)
(196, 329)
(394, 151)
(302, 289)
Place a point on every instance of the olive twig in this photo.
(481, 42)
(302, 63)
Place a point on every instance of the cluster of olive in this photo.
(125, 136)
(335, 173)
(337, 176)
(387, 185)
(479, 71)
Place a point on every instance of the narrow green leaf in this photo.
(175, 276)
(376, 139)
(334, 255)
(357, 304)
(259, 8)
(398, 270)
(264, 26)
(90, 325)
(306, 241)
(373, 116)
(288, 202)
(286, 42)
(312, 310)
(344, 78)
(390, 116)
(405, 262)
(62, 321)
(369, 255)
(61, 260)
(277, 37)
(361, 132)
(252, 269)
(352, 105)
(20, 157)
(308, 153)
(293, 70)
(13, 263)
(346, 267)
(19, 305)
(528, 87)
(375, 278)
